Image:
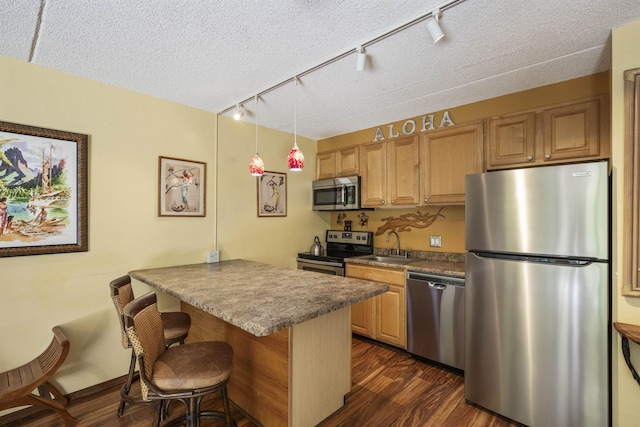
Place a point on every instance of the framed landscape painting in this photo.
(182, 187)
(43, 191)
(272, 194)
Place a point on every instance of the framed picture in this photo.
(272, 194)
(182, 187)
(43, 191)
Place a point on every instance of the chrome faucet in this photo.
(397, 241)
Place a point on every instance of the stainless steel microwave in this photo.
(336, 194)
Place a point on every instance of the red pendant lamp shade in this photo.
(256, 165)
(295, 158)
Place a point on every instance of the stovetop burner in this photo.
(343, 244)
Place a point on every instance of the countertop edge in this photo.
(447, 268)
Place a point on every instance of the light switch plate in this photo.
(213, 256)
(435, 241)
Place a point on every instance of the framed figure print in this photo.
(43, 191)
(182, 187)
(272, 194)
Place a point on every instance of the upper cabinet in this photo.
(337, 163)
(390, 173)
(564, 133)
(447, 155)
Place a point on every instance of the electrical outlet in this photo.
(213, 256)
(435, 241)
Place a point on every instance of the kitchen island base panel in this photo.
(295, 377)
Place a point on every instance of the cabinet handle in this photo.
(393, 202)
(383, 202)
(530, 158)
(547, 156)
(426, 199)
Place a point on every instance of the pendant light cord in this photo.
(295, 111)
(256, 124)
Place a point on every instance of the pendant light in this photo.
(256, 165)
(295, 158)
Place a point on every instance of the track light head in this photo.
(238, 114)
(433, 26)
(361, 59)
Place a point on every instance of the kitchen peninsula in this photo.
(290, 331)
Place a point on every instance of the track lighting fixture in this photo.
(434, 27)
(238, 113)
(256, 165)
(295, 158)
(361, 58)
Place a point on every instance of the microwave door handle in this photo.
(343, 191)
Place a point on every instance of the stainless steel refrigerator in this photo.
(538, 294)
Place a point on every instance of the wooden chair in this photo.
(185, 373)
(175, 330)
(17, 385)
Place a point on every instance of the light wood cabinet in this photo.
(447, 155)
(382, 317)
(565, 133)
(337, 163)
(390, 173)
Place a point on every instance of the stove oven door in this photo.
(325, 267)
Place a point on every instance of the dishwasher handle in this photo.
(437, 286)
(435, 281)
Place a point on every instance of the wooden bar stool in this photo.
(175, 327)
(186, 373)
(17, 385)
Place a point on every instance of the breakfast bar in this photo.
(290, 331)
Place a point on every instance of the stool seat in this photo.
(175, 326)
(193, 366)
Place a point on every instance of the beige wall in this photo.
(625, 55)
(241, 233)
(127, 132)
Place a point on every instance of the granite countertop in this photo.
(258, 298)
(438, 263)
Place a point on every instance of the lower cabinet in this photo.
(383, 317)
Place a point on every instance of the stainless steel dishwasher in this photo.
(435, 318)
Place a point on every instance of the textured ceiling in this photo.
(213, 54)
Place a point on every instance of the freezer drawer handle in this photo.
(437, 286)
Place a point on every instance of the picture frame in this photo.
(182, 188)
(43, 191)
(272, 194)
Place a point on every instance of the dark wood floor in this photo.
(389, 389)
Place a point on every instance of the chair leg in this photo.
(47, 402)
(225, 402)
(158, 413)
(127, 386)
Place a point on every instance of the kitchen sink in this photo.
(388, 259)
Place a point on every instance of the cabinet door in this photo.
(571, 132)
(362, 317)
(374, 174)
(348, 162)
(447, 156)
(326, 165)
(511, 140)
(391, 316)
(403, 177)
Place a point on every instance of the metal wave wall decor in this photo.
(407, 221)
